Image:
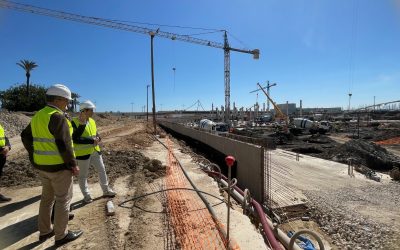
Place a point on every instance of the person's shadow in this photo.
(22, 229)
(17, 231)
(9, 208)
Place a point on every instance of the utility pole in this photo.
(132, 106)
(147, 105)
(152, 34)
(374, 103)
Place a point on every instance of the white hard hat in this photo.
(59, 90)
(86, 105)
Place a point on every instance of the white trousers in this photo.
(95, 160)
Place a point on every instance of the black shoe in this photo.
(4, 199)
(46, 236)
(71, 236)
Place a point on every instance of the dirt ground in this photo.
(126, 148)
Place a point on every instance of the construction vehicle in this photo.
(279, 115)
(211, 126)
(298, 125)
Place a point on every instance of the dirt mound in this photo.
(19, 173)
(364, 153)
(13, 122)
(319, 139)
(118, 163)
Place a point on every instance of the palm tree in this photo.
(27, 66)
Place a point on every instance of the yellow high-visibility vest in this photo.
(2, 137)
(45, 151)
(89, 132)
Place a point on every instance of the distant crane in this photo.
(278, 111)
(132, 28)
(268, 92)
(198, 106)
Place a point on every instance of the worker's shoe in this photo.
(4, 199)
(46, 236)
(109, 193)
(71, 236)
(87, 199)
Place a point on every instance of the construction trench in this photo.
(297, 192)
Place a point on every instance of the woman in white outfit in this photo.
(87, 150)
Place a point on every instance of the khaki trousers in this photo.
(96, 160)
(56, 186)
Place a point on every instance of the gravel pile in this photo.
(13, 122)
(337, 214)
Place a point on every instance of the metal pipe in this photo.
(282, 237)
(267, 227)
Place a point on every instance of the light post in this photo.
(152, 34)
(147, 105)
(132, 106)
(350, 94)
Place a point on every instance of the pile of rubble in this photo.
(364, 153)
(14, 122)
(337, 214)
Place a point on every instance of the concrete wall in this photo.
(250, 158)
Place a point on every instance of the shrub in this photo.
(16, 98)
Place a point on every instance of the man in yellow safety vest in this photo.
(4, 148)
(87, 150)
(48, 140)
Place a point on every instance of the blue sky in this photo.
(315, 50)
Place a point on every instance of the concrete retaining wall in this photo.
(250, 158)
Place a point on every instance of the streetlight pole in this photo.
(152, 34)
(147, 105)
(350, 94)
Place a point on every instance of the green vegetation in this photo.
(16, 99)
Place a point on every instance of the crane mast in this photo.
(133, 28)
